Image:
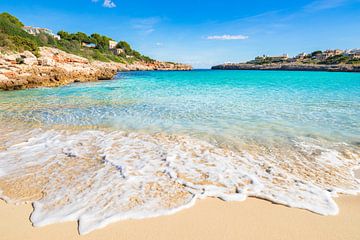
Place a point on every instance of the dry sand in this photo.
(209, 219)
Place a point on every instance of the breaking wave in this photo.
(97, 177)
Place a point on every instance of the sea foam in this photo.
(97, 177)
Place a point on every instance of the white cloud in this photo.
(228, 37)
(107, 3)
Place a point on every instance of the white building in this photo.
(112, 44)
(355, 51)
(37, 31)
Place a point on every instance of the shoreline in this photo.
(208, 219)
(28, 186)
(289, 67)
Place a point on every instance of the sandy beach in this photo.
(209, 219)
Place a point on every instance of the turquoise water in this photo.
(237, 104)
(151, 143)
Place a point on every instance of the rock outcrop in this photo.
(289, 67)
(55, 68)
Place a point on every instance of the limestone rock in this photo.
(55, 68)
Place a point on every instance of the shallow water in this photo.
(151, 143)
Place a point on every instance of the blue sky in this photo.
(203, 33)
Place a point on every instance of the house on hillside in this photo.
(322, 56)
(112, 44)
(36, 31)
(353, 53)
(331, 53)
(118, 51)
(356, 56)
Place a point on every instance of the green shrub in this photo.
(337, 59)
(354, 61)
(97, 55)
(14, 20)
(13, 37)
(315, 53)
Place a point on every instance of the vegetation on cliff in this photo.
(329, 60)
(14, 37)
(328, 57)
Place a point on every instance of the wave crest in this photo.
(98, 177)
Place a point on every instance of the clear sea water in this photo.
(276, 122)
(235, 103)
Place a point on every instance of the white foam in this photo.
(99, 177)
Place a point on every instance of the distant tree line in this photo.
(101, 42)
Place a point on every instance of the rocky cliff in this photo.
(55, 67)
(289, 67)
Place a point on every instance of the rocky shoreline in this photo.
(56, 68)
(289, 67)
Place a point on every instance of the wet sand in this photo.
(209, 219)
